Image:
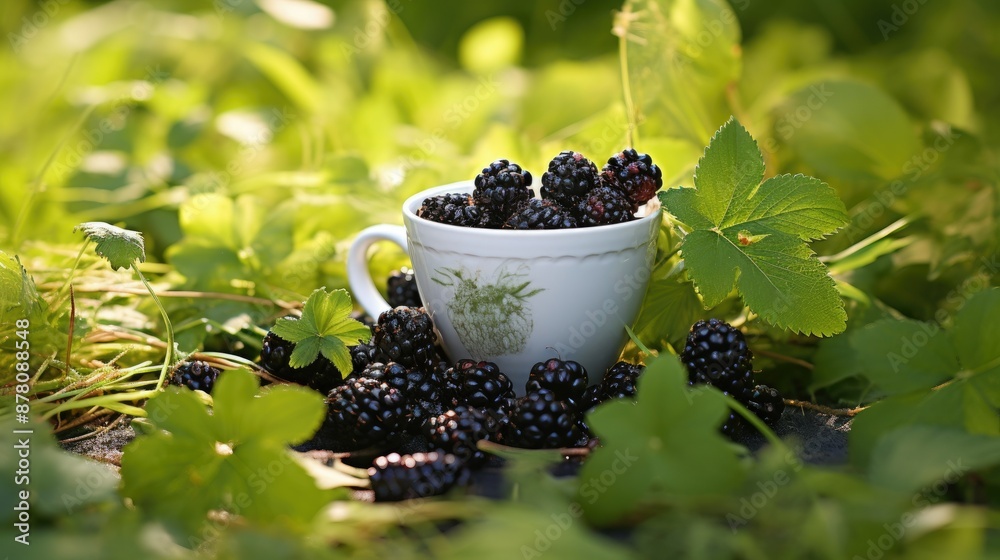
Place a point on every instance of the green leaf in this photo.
(902, 356)
(325, 327)
(751, 235)
(664, 448)
(59, 482)
(235, 459)
(121, 247)
(668, 311)
(913, 456)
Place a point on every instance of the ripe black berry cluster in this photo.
(573, 194)
(401, 395)
(716, 353)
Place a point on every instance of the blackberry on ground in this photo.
(480, 385)
(401, 289)
(364, 412)
(396, 477)
(406, 335)
(634, 174)
(735, 425)
(569, 178)
(195, 375)
(423, 389)
(540, 214)
(457, 431)
(541, 421)
(499, 189)
(602, 206)
(452, 208)
(766, 403)
(566, 379)
(275, 354)
(717, 353)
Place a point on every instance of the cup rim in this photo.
(413, 202)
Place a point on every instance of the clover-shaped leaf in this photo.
(122, 247)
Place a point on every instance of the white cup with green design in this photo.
(518, 297)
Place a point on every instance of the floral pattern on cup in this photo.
(492, 318)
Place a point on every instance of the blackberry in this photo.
(717, 354)
(591, 398)
(195, 375)
(540, 214)
(566, 379)
(480, 385)
(619, 382)
(457, 431)
(364, 412)
(361, 355)
(766, 403)
(423, 389)
(634, 174)
(540, 420)
(401, 289)
(275, 354)
(602, 206)
(406, 335)
(569, 178)
(499, 189)
(453, 208)
(396, 477)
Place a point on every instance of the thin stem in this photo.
(621, 29)
(72, 327)
(824, 409)
(168, 360)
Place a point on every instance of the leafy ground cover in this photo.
(177, 176)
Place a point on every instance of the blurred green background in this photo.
(249, 140)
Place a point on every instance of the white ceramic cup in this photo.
(519, 297)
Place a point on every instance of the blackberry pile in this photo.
(573, 194)
(419, 419)
(717, 354)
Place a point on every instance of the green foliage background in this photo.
(249, 143)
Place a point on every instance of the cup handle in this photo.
(358, 275)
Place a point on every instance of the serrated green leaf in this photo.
(238, 459)
(665, 447)
(913, 456)
(728, 174)
(325, 327)
(751, 235)
(778, 277)
(306, 351)
(903, 356)
(121, 247)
